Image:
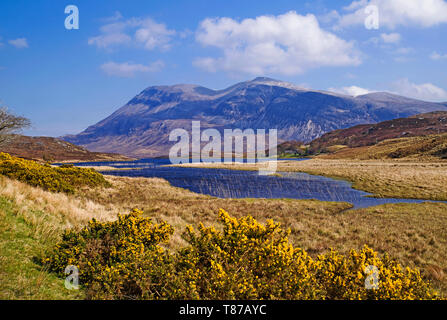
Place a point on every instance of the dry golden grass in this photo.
(66, 211)
(179, 207)
(389, 179)
(383, 178)
(107, 168)
(420, 148)
(412, 233)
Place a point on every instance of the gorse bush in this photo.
(56, 179)
(120, 259)
(124, 259)
(363, 275)
(248, 260)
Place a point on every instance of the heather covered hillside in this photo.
(421, 136)
(369, 134)
(53, 149)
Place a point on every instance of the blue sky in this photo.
(65, 80)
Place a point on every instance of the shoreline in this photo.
(382, 178)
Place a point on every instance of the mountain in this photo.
(370, 134)
(141, 127)
(52, 149)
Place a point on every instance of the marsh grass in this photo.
(383, 178)
(179, 207)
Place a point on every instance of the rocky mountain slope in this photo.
(141, 128)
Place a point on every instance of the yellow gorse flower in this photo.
(66, 178)
(245, 260)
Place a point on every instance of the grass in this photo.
(428, 148)
(414, 234)
(180, 207)
(31, 222)
(382, 178)
(21, 240)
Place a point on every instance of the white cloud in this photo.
(403, 87)
(393, 13)
(208, 64)
(129, 70)
(286, 44)
(106, 40)
(424, 91)
(437, 56)
(351, 91)
(144, 32)
(390, 37)
(116, 17)
(385, 38)
(152, 35)
(402, 55)
(350, 75)
(19, 43)
(356, 5)
(403, 51)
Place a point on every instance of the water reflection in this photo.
(246, 184)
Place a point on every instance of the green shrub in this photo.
(56, 179)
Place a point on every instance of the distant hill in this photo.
(370, 134)
(141, 128)
(291, 149)
(421, 136)
(52, 149)
(430, 148)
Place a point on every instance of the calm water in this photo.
(248, 184)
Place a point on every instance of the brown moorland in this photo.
(370, 134)
(414, 234)
(52, 149)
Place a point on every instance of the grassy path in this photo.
(20, 243)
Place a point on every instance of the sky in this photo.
(65, 79)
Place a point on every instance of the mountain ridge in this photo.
(141, 127)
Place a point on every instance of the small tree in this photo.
(9, 124)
